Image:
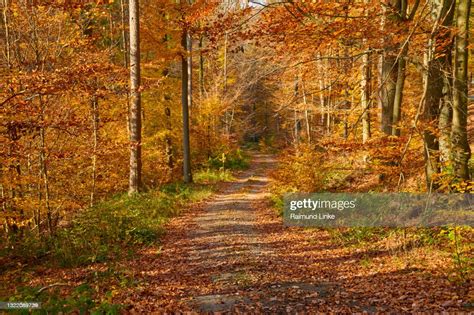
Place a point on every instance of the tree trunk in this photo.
(397, 102)
(201, 68)
(227, 127)
(389, 75)
(306, 113)
(185, 102)
(135, 100)
(365, 97)
(445, 120)
(437, 62)
(44, 168)
(295, 110)
(322, 88)
(124, 33)
(95, 141)
(7, 33)
(389, 88)
(190, 72)
(168, 143)
(460, 145)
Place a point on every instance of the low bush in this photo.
(229, 160)
(100, 232)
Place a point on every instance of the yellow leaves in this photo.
(463, 186)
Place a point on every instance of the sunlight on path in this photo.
(232, 254)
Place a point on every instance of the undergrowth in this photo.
(229, 160)
(112, 230)
(316, 170)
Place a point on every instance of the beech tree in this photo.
(186, 99)
(437, 102)
(460, 146)
(135, 180)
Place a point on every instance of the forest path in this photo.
(218, 256)
(232, 253)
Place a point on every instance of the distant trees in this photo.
(422, 97)
(53, 77)
(75, 122)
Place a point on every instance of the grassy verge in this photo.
(229, 160)
(103, 235)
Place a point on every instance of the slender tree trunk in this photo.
(95, 142)
(124, 33)
(185, 99)
(44, 168)
(190, 72)
(296, 136)
(7, 33)
(401, 72)
(125, 45)
(168, 143)
(4, 208)
(295, 110)
(225, 82)
(322, 87)
(322, 100)
(460, 145)
(397, 102)
(225, 61)
(365, 97)
(328, 111)
(445, 120)
(390, 72)
(201, 68)
(306, 114)
(135, 101)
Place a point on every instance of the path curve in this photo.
(232, 254)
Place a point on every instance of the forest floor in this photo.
(232, 253)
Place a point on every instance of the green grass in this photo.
(100, 233)
(210, 176)
(79, 301)
(109, 232)
(229, 160)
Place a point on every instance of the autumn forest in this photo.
(147, 146)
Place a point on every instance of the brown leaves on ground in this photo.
(255, 264)
(232, 253)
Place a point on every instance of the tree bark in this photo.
(44, 168)
(460, 145)
(397, 102)
(185, 102)
(389, 75)
(437, 62)
(365, 97)
(95, 142)
(168, 143)
(201, 68)
(7, 33)
(306, 113)
(135, 101)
